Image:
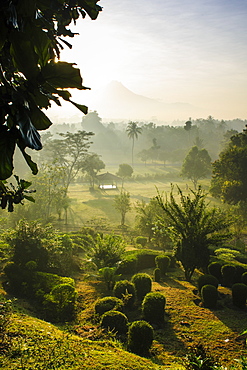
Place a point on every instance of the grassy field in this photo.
(98, 206)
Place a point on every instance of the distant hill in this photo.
(115, 101)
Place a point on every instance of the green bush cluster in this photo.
(105, 304)
(142, 240)
(228, 273)
(244, 278)
(115, 321)
(56, 294)
(140, 337)
(134, 261)
(207, 279)
(209, 295)
(125, 291)
(142, 283)
(239, 294)
(214, 268)
(162, 262)
(153, 307)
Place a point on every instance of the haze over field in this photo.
(188, 57)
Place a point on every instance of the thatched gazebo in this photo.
(108, 181)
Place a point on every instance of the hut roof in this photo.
(108, 177)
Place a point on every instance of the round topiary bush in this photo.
(239, 270)
(228, 272)
(239, 294)
(157, 275)
(140, 337)
(105, 304)
(125, 290)
(244, 278)
(142, 283)
(162, 262)
(214, 268)
(207, 280)
(153, 307)
(115, 321)
(209, 296)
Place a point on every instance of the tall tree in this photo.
(193, 227)
(124, 171)
(229, 181)
(92, 165)
(197, 165)
(133, 130)
(122, 204)
(70, 152)
(32, 33)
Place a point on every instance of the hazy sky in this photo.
(192, 51)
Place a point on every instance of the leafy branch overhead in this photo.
(32, 34)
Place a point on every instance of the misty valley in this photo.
(127, 249)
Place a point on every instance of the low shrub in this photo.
(228, 272)
(153, 307)
(134, 261)
(239, 271)
(209, 295)
(162, 262)
(15, 278)
(125, 291)
(214, 268)
(142, 240)
(115, 321)
(59, 304)
(157, 275)
(207, 280)
(140, 337)
(239, 295)
(244, 278)
(142, 283)
(105, 304)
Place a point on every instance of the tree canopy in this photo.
(193, 227)
(229, 181)
(196, 165)
(32, 34)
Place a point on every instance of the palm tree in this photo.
(133, 131)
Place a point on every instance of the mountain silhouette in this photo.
(115, 101)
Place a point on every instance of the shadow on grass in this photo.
(167, 281)
(233, 317)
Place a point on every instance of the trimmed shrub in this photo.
(134, 261)
(173, 259)
(59, 304)
(162, 262)
(125, 291)
(142, 283)
(128, 265)
(228, 272)
(157, 275)
(142, 240)
(115, 321)
(209, 295)
(214, 268)
(207, 280)
(244, 278)
(239, 270)
(105, 304)
(153, 307)
(239, 295)
(140, 337)
(146, 259)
